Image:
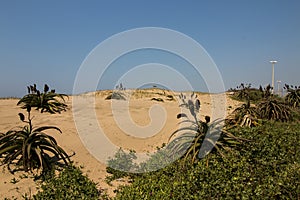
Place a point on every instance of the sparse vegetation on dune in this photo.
(263, 162)
(254, 153)
(9, 98)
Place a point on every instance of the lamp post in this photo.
(278, 87)
(273, 63)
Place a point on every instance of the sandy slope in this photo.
(126, 133)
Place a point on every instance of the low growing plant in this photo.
(121, 165)
(265, 167)
(70, 184)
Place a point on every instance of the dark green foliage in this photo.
(274, 109)
(245, 92)
(69, 184)
(293, 96)
(265, 167)
(47, 101)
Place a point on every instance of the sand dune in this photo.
(128, 124)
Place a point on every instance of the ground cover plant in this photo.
(69, 184)
(265, 167)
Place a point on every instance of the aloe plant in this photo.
(274, 109)
(243, 91)
(30, 147)
(47, 101)
(199, 134)
(244, 115)
(293, 95)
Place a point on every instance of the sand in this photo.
(142, 132)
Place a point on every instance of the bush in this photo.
(245, 92)
(121, 165)
(69, 184)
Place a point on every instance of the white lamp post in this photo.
(278, 87)
(273, 63)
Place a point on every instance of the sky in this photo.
(47, 41)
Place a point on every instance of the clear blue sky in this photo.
(46, 41)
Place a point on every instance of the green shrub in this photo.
(245, 92)
(121, 165)
(69, 184)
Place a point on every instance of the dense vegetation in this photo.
(69, 184)
(267, 167)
